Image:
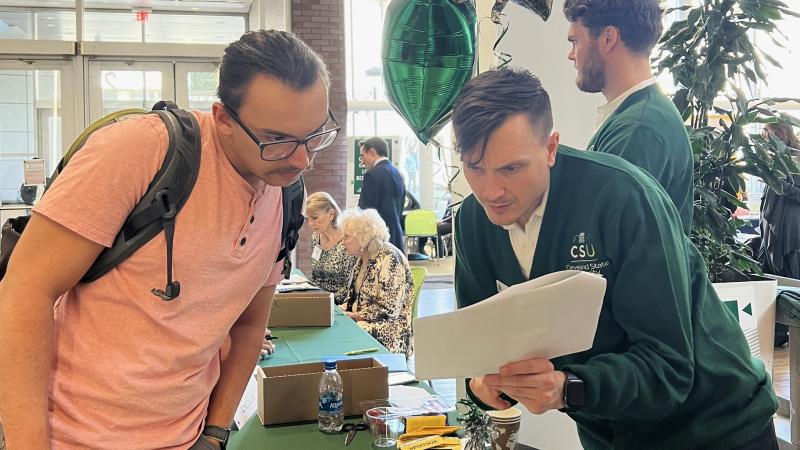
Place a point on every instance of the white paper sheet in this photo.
(248, 405)
(547, 317)
(410, 400)
(397, 378)
(295, 279)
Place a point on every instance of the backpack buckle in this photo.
(172, 291)
(168, 209)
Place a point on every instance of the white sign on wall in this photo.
(34, 172)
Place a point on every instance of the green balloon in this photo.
(428, 55)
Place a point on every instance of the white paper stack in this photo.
(547, 317)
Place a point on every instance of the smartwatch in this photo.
(574, 393)
(217, 433)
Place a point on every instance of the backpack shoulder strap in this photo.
(165, 196)
(79, 142)
(293, 197)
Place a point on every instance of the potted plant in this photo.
(712, 58)
(710, 55)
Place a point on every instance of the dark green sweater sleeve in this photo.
(648, 148)
(650, 300)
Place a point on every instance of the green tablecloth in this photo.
(298, 345)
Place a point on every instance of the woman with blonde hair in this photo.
(331, 265)
(381, 292)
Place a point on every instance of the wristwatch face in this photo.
(574, 393)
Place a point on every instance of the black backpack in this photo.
(165, 196)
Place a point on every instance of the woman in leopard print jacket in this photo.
(381, 296)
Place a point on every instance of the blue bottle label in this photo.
(330, 402)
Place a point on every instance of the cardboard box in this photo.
(291, 393)
(301, 309)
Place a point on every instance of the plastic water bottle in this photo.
(429, 247)
(331, 392)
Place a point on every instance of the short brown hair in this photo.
(278, 54)
(638, 21)
(490, 98)
(378, 144)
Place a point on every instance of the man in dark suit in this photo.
(382, 188)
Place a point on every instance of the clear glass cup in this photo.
(385, 426)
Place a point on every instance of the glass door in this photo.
(115, 85)
(36, 119)
(196, 85)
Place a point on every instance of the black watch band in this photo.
(574, 393)
(218, 433)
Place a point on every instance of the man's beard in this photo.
(592, 77)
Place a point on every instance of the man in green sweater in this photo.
(669, 367)
(611, 44)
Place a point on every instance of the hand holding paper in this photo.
(546, 317)
(533, 382)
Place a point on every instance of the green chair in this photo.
(418, 274)
(420, 223)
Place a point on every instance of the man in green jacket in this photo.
(669, 367)
(611, 44)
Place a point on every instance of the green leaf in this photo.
(733, 199)
(789, 119)
(678, 8)
(741, 98)
(789, 12)
(771, 60)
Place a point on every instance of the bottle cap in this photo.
(330, 364)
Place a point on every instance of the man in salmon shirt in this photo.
(107, 364)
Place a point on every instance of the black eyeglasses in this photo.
(275, 151)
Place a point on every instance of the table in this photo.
(299, 345)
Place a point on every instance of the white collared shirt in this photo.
(605, 111)
(523, 241)
(382, 158)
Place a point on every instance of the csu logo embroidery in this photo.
(582, 248)
(584, 255)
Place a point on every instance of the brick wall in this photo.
(320, 23)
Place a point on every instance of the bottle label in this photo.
(330, 402)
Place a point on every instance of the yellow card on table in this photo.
(429, 431)
(414, 423)
(422, 444)
(450, 444)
